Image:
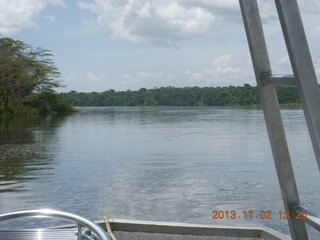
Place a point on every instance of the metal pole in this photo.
(269, 100)
(302, 66)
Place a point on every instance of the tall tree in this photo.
(23, 71)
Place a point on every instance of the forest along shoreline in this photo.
(172, 96)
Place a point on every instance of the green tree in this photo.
(24, 71)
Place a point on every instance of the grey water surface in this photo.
(176, 164)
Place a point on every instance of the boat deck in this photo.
(145, 230)
(121, 229)
(165, 236)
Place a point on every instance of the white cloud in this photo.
(223, 68)
(168, 21)
(229, 70)
(16, 15)
(161, 22)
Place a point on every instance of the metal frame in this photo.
(57, 214)
(304, 78)
(302, 66)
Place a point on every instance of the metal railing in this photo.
(304, 78)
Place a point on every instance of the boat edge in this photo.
(192, 229)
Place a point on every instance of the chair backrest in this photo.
(42, 234)
(39, 234)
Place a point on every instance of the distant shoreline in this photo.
(172, 96)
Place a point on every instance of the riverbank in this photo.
(40, 103)
(171, 96)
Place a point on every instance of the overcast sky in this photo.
(130, 44)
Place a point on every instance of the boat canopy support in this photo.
(304, 78)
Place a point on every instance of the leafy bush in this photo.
(49, 102)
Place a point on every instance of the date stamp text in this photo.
(263, 214)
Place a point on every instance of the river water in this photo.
(176, 164)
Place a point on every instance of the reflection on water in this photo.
(173, 164)
(25, 151)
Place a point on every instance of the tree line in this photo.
(172, 96)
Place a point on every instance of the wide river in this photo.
(176, 164)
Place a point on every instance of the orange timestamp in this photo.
(263, 214)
